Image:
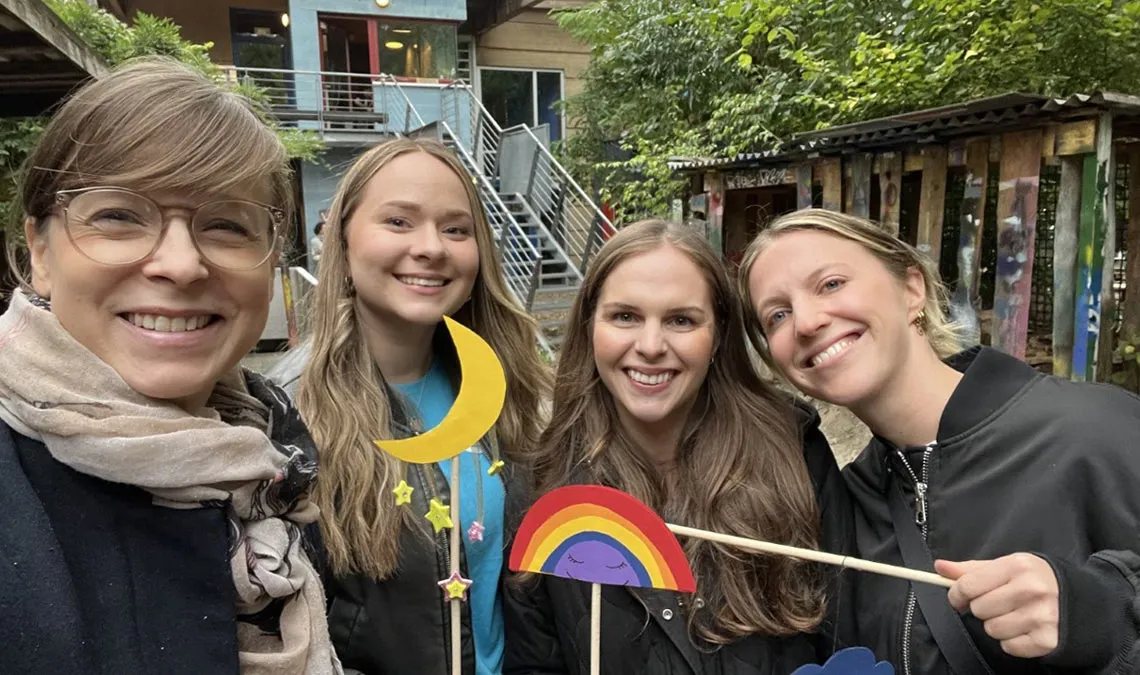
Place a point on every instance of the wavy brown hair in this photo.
(740, 467)
(343, 397)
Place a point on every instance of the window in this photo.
(420, 50)
(528, 97)
(260, 39)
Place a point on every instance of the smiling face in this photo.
(412, 254)
(171, 324)
(837, 323)
(653, 337)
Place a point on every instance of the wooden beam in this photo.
(861, 185)
(42, 20)
(1065, 229)
(1130, 327)
(932, 201)
(831, 175)
(890, 189)
(1016, 233)
(803, 186)
(973, 211)
(1106, 211)
(912, 161)
(714, 182)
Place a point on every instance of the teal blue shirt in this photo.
(431, 398)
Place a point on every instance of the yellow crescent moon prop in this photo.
(482, 390)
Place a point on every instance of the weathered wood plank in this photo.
(1086, 313)
(803, 186)
(1076, 138)
(714, 183)
(890, 189)
(912, 161)
(1130, 328)
(1065, 230)
(965, 301)
(1106, 208)
(932, 201)
(861, 185)
(1016, 233)
(831, 175)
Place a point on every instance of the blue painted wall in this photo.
(318, 183)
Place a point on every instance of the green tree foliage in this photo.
(117, 42)
(717, 77)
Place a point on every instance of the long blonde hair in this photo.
(897, 256)
(740, 462)
(344, 400)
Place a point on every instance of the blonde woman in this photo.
(1022, 486)
(656, 395)
(152, 493)
(406, 243)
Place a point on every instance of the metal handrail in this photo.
(487, 119)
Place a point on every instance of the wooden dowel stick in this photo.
(815, 556)
(456, 613)
(595, 629)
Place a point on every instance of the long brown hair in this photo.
(153, 124)
(740, 467)
(343, 398)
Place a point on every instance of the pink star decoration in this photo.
(475, 532)
(455, 586)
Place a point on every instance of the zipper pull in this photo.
(920, 503)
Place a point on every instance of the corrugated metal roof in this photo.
(932, 125)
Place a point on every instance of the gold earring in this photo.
(920, 322)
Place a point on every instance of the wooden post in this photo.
(890, 189)
(831, 175)
(1106, 208)
(861, 185)
(1065, 263)
(803, 186)
(1130, 329)
(932, 201)
(714, 185)
(1016, 232)
(965, 301)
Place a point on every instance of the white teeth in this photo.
(832, 351)
(420, 281)
(168, 324)
(645, 378)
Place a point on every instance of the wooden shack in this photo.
(1022, 200)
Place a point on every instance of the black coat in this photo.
(644, 631)
(403, 624)
(1023, 462)
(96, 579)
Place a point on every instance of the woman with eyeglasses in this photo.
(152, 492)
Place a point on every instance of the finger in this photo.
(954, 569)
(985, 576)
(1023, 593)
(1010, 626)
(1027, 647)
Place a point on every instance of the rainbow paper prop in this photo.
(600, 535)
(850, 661)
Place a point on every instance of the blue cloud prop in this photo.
(850, 661)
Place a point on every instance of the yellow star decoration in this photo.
(496, 467)
(455, 586)
(403, 493)
(438, 516)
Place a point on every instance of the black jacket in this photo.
(644, 631)
(1023, 462)
(96, 579)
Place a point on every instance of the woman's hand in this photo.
(1016, 597)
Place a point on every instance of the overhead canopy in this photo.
(483, 15)
(41, 59)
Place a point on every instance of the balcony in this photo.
(345, 109)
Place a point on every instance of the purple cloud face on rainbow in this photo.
(597, 562)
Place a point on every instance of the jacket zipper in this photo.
(920, 519)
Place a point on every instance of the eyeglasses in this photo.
(114, 226)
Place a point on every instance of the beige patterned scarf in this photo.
(251, 452)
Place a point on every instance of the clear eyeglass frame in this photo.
(64, 198)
